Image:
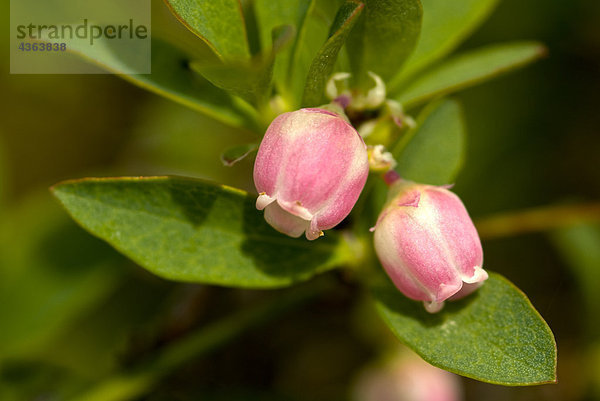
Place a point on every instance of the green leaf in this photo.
(469, 69)
(494, 335)
(172, 78)
(384, 37)
(237, 153)
(313, 34)
(250, 80)
(324, 62)
(220, 23)
(190, 230)
(52, 273)
(433, 152)
(445, 25)
(271, 14)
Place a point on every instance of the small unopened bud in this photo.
(428, 244)
(380, 161)
(338, 86)
(396, 111)
(374, 97)
(407, 378)
(310, 170)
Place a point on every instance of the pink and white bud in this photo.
(428, 244)
(407, 378)
(309, 172)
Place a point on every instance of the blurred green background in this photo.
(72, 311)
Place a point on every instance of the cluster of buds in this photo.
(310, 170)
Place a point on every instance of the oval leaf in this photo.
(469, 69)
(494, 335)
(190, 230)
(445, 25)
(250, 80)
(385, 36)
(433, 152)
(324, 62)
(220, 23)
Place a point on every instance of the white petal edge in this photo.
(313, 232)
(433, 307)
(263, 201)
(284, 221)
(478, 275)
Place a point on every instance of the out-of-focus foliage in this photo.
(3, 176)
(580, 247)
(445, 25)
(465, 70)
(54, 275)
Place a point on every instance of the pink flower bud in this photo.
(310, 169)
(407, 378)
(428, 244)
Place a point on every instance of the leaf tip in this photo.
(56, 189)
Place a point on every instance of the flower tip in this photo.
(411, 200)
(479, 275)
(263, 200)
(312, 235)
(432, 306)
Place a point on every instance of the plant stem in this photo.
(132, 384)
(538, 219)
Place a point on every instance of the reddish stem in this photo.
(391, 177)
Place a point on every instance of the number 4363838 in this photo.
(42, 47)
